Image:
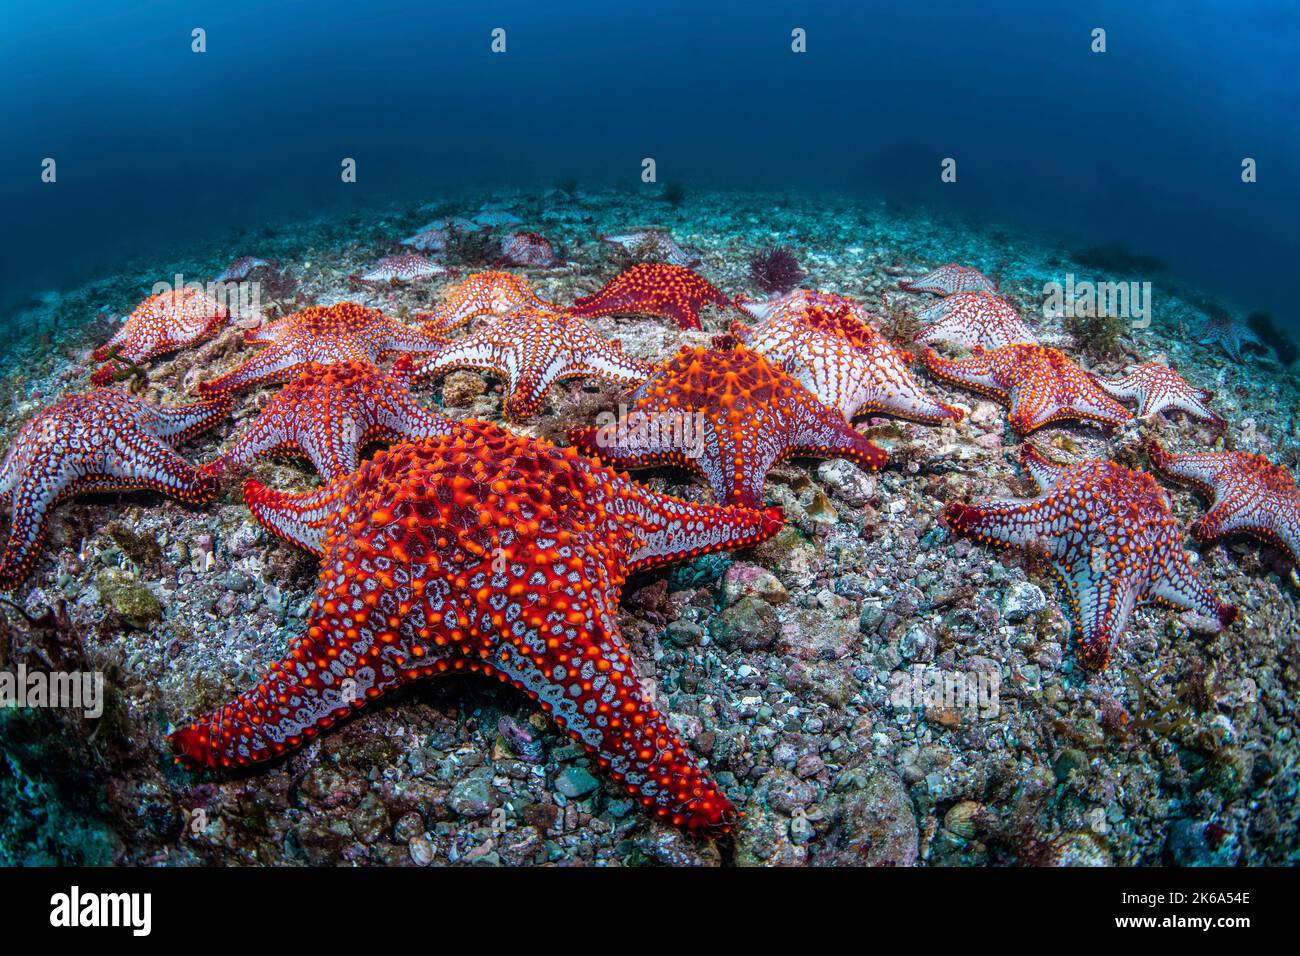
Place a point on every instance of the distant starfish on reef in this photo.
(429, 239)
(399, 270)
(483, 551)
(844, 362)
(653, 288)
(730, 415)
(1159, 388)
(104, 440)
(1111, 538)
(325, 334)
(479, 294)
(951, 279)
(160, 324)
(529, 249)
(1040, 384)
(241, 269)
(973, 318)
(1249, 495)
(1222, 330)
(652, 245)
(532, 348)
(330, 412)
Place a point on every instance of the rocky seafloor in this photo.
(776, 664)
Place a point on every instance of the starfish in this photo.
(653, 288)
(241, 269)
(330, 412)
(730, 415)
(483, 551)
(480, 293)
(844, 362)
(1248, 492)
(1222, 330)
(1157, 388)
(651, 245)
(399, 270)
(160, 324)
(496, 219)
(324, 334)
(791, 305)
(105, 440)
(431, 238)
(1039, 384)
(1111, 538)
(973, 318)
(532, 348)
(528, 249)
(950, 279)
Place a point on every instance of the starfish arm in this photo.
(1124, 388)
(303, 520)
(1102, 603)
(1201, 471)
(1045, 472)
(904, 398)
(397, 337)
(271, 432)
(1004, 522)
(139, 460)
(596, 697)
(119, 344)
(1097, 407)
(1179, 586)
(476, 351)
(181, 423)
(274, 363)
(269, 333)
(823, 435)
(44, 482)
(977, 372)
(669, 529)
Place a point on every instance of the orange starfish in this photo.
(653, 288)
(1040, 384)
(483, 552)
(478, 294)
(324, 334)
(730, 415)
(161, 323)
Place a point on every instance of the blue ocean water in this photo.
(157, 145)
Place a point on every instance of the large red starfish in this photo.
(653, 288)
(730, 415)
(1157, 388)
(973, 318)
(330, 412)
(1249, 495)
(479, 294)
(105, 440)
(325, 334)
(950, 279)
(843, 361)
(161, 323)
(532, 348)
(1040, 384)
(1111, 538)
(487, 552)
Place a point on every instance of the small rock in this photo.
(1021, 600)
(575, 782)
(132, 601)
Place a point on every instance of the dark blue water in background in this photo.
(158, 146)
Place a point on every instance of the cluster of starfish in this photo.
(466, 547)
(1107, 531)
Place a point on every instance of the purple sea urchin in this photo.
(775, 269)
